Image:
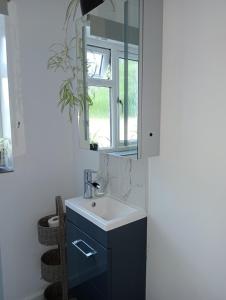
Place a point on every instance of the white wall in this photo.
(51, 163)
(188, 180)
(187, 224)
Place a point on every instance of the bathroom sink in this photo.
(105, 212)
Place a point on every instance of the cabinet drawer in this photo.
(87, 259)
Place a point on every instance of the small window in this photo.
(98, 63)
(128, 121)
(5, 125)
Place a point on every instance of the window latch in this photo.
(119, 101)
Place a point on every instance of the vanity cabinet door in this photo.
(87, 260)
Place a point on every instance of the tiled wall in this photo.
(127, 178)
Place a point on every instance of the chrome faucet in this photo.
(89, 185)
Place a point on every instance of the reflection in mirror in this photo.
(108, 44)
(6, 160)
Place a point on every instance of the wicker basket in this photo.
(51, 268)
(48, 236)
(54, 292)
(53, 262)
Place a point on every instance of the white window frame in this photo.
(117, 52)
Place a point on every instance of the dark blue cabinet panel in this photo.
(106, 265)
(88, 259)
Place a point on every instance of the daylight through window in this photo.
(5, 127)
(109, 126)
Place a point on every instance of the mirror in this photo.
(107, 53)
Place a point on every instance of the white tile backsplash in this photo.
(127, 178)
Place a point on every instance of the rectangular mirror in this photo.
(107, 53)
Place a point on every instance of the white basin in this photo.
(105, 212)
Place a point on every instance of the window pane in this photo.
(99, 116)
(98, 63)
(131, 123)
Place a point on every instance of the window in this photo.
(5, 127)
(112, 120)
(128, 121)
(99, 63)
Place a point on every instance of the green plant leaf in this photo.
(60, 59)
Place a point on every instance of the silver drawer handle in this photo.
(87, 254)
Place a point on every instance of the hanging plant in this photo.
(62, 58)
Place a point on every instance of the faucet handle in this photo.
(96, 185)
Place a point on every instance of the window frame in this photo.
(133, 143)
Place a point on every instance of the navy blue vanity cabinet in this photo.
(88, 263)
(106, 265)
